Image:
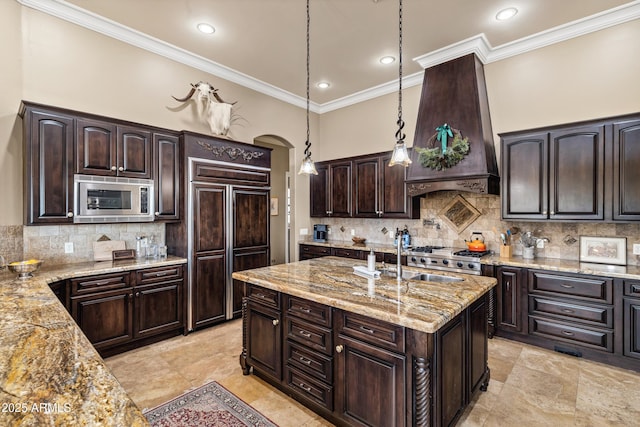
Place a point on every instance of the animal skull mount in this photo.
(211, 107)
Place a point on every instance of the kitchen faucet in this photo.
(399, 251)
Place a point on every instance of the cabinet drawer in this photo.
(100, 283)
(375, 332)
(586, 288)
(159, 274)
(309, 311)
(309, 361)
(347, 253)
(310, 388)
(264, 296)
(596, 315)
(312, 336)
(315, 250)
(571, 333)
(632, 288)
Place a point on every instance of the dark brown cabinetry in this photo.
(379, 191)
(313, 251)
(49, 160)
(554, 175)
(631, 322)
(119, 311)
(581, 171)
(106, 148)
(509, 298)
(356, 370)
(166, 173)
(330, 190)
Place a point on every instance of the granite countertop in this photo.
(50, 374)
(552, 264)
(419, 305)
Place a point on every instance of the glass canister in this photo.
(141, 246)
(152, 248)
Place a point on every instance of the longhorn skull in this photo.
(211, 107)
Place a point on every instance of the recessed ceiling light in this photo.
(323, 85)
(206, 28)
(507, 13)
(387, 60)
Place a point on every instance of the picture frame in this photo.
(273, 206)
(459, 213)
(603, 250)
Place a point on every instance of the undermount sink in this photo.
(429, 277)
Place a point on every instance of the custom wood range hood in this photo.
(455, 93)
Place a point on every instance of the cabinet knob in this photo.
(552, 213)
(275, 322)
(69, 214)
(157, 213)
(339, 348)
(121, 169)
(544, 212)
(113, 168)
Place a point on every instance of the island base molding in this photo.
(356, 370)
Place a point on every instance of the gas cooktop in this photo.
(447, 259)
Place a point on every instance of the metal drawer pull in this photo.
(275, 322)
(566, 286)
(305, 309)
(339, 348)
(304, 360)
(635, 288)
(103, 282)
(260, 296)
(567, 333)
(162, 273)
(305, 387)
(304, 333)
(568, 311)
(367, 330)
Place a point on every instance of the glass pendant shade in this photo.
(400, 155)
(308, 167)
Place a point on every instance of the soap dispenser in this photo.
(371, 261)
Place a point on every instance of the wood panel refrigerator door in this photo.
(209, 272)
(250, 237)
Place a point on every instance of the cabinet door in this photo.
(632, 328)
(134, 151)
(451, 386)
(340, 189)
(366, 190)
(369, 386)
(166, 173)
(626, 170)
(105, 318)
(209, 289)
(524, 176)
(264, 339)
(318, 191)
(576, 176)
(395, 202)
(478, 347)
(158, 308)
(509, 299)
(49, 168)
(96, 148)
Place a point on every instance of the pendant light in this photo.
(307, 167)
(400, 154)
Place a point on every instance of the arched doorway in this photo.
(281, 195)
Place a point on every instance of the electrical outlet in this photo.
(636, 248)
(68, 247)
(353, 232)
(304, 231)
(540, 244)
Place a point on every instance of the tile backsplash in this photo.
(47, 242)
(431, 229)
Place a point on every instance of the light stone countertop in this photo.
(415, 304)
(551, 264)
(50, 374)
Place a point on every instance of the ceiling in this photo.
(263, 42)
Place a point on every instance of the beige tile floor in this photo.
(529, 386)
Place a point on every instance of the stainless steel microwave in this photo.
(100, 199)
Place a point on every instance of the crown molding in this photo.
(477, 44)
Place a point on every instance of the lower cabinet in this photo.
(509, 298)
(631, 323)
(121, 311)
(359, 371)
(313, 251)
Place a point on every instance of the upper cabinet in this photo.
(362, 187)
(166, 172)
(48, 160)
(105, 148)
(572, 172)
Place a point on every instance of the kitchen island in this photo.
(50, 374)
(362, 351)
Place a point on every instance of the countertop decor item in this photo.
(25, 268)
(358, 240)
(603, 250)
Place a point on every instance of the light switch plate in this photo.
(540, 244)
(636, 248)
(353, 232)
(304, 231)
(68, 247)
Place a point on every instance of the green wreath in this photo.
(438, 158)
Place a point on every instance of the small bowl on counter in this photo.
(25, 268)
(358, 240)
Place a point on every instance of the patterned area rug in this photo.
(209, 405)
